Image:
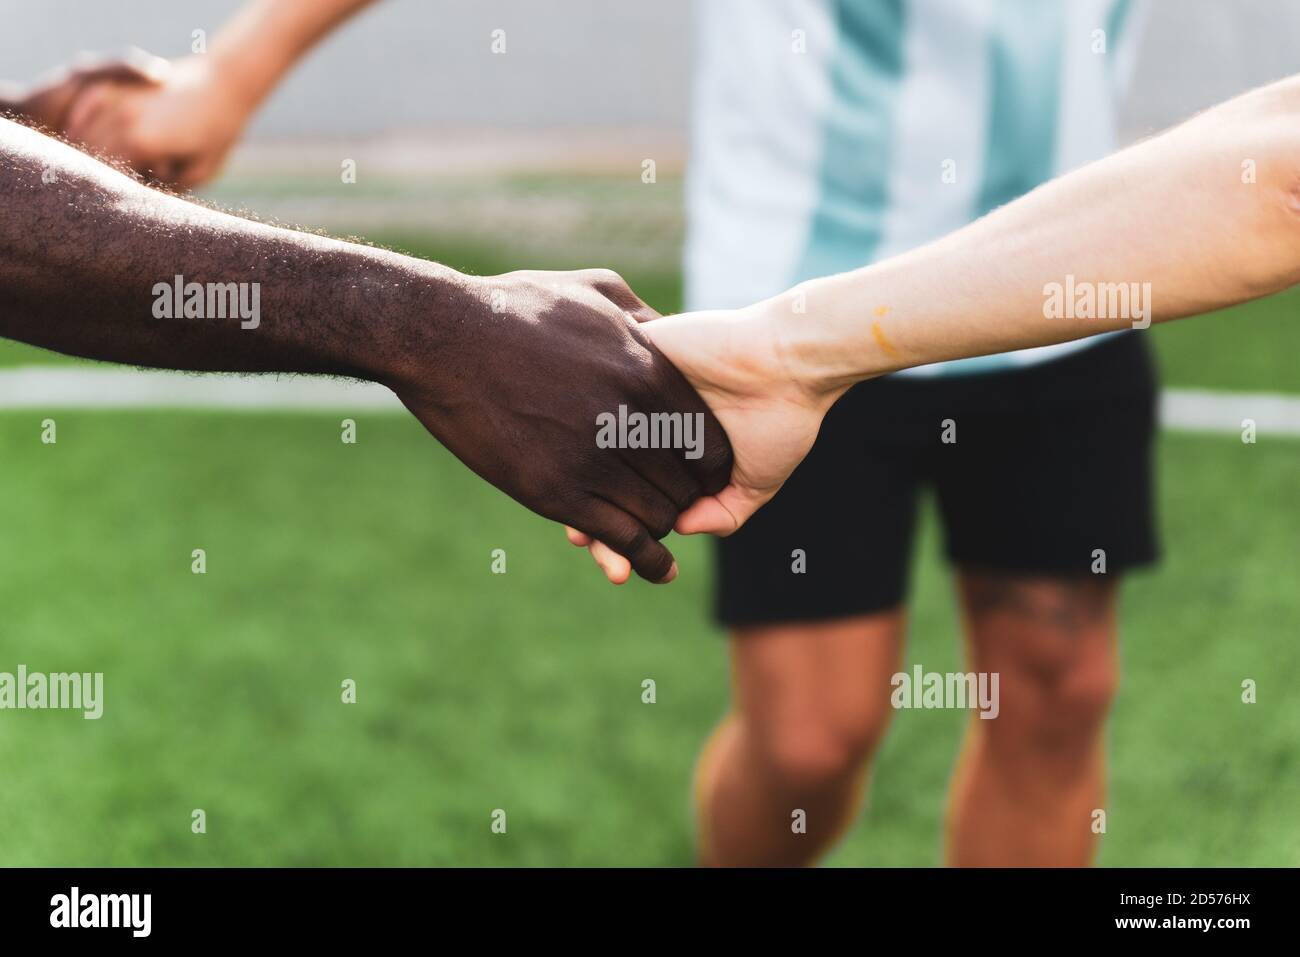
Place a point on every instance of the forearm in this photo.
(89, 261)
(1176, 220)
(265, 38)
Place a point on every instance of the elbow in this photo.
(1264, 127)
(1278, 205)
(1261, 135)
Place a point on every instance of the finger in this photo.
(638, 310)
(670, 473)
(109, 131)
(48, 103)
(615, 288)
(96, 84)
(163, 171)
(649, 506)
(616, 568)
(576, 537)
(708, 458)
(723, 513)
(48, 107)
(107, 135)
(629, 538)
(85, 111)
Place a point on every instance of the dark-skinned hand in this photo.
(537, 357)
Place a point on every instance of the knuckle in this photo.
(716, 462)
(683, 490)
(634, 541)
(662, 524)
(655, 566)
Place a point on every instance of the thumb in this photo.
(723, 513)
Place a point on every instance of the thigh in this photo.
(836, 540)
(813, 685)
(1052, 642)
(1037, 624)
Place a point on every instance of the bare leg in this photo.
(1028, 781)
(811, 704)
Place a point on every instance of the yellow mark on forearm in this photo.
(882, 340)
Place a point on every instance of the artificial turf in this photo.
(523, 691)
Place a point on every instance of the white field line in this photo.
(1200, 410)
(49, 388)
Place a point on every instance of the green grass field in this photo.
(522, 691)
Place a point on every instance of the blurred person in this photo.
(1196, 237)
(831, 135)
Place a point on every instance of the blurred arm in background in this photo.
(176, 124)
(1203, 216)
(47, 102)
(511, 372)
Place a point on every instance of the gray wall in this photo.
(421, 64)
(413, 63)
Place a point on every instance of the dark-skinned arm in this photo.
(510, 372)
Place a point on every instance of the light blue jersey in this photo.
(829, 134)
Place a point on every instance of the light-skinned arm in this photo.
(1203, 216)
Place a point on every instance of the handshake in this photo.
(565, 390)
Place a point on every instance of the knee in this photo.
(812, 755)
(1052, 643)
(1082, 696)
(1059, 708)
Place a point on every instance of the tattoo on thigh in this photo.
(1067, 607)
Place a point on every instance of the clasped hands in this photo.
(556, 354)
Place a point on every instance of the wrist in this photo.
(802, 344)
(401, 312)
(242, 71)
(836, 331)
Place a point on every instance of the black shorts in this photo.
(1051, 463)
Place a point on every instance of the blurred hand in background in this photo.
(175, 121)
(48, 102)
(175, 127)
